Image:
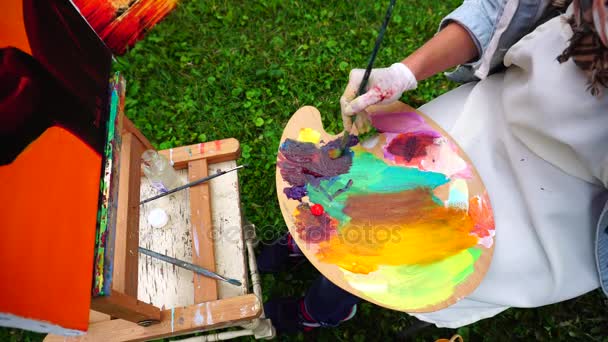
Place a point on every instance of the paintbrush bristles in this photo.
(339, 151)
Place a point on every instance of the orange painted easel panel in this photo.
(13, 27)
(48, 209)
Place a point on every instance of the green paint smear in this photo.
(418, 286)
(370, 175)
(462, 276)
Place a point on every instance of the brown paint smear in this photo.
(389, 208)
(312, 228)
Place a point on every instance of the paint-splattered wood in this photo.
(106, 221)
(160, 283)
(214, 151)
(205, 288)
(125, 307)
(175, 322)
(167, 286)
(228, 239)
(375, 197)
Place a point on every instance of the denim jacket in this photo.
(495, 25)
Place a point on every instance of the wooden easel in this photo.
(121, 316)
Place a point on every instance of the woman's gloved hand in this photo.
(385, 85)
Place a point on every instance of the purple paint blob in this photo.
(295, 192)
(400, 123)
(302, 163)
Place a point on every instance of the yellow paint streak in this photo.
(419, 239)
(309, 135)
(414, 287)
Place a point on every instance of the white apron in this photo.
(540, 143)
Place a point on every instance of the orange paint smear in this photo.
(48, 217)
(423, 233)
(481, 213)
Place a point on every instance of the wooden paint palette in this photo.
(401, 220)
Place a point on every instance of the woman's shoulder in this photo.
(495, 26)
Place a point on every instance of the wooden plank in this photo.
(129, 126)
(125, 307)
(214, 151)
(126, 240)
(179, 321)
(205, 288)
(95, 316)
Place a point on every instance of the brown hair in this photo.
(589, 46)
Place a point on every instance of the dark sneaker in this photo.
(289, 315)
(277, 256)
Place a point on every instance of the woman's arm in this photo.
(474, 36)
(450, 47)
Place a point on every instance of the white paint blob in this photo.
(158, 218)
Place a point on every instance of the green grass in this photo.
(218, 69)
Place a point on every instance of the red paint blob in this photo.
(410, 145)
(317, 210)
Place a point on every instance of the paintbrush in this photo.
(184, 264)
(339, 151)
(193, 183)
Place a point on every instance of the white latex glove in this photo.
(385, 85)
